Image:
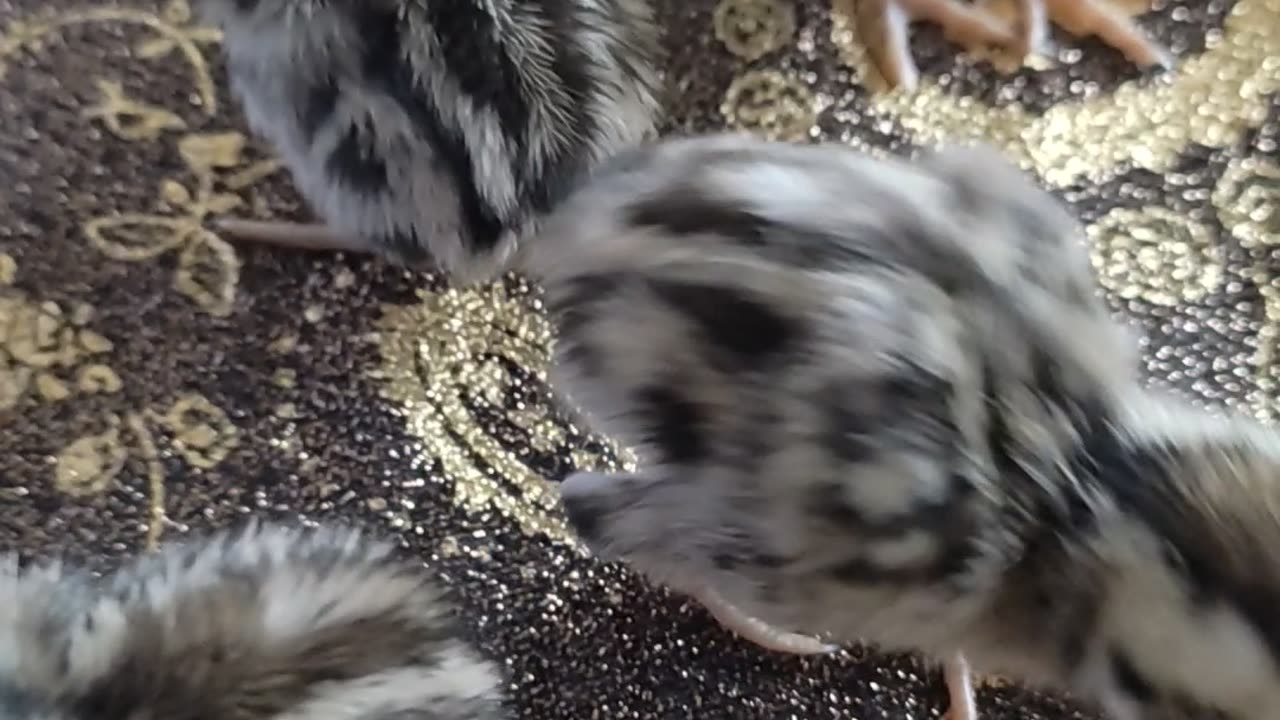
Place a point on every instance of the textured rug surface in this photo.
(155, 380)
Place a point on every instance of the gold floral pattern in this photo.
(40, 339)
(171, 30)
(752, 29)
(1212, 99)
(770, 104)
(208, 267)
(44, 349)
(457, 452)
(202, 435)
(448, 357)
(50, 352)
(1157, 255)
(1247, 199)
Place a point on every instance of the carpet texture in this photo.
(156, 380)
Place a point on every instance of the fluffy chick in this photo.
(883, 401)
(263, 622)
(436, 133)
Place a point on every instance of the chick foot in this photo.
(757, 631)
(299, 236)
(884, 26)
(959, 682)
(1106, 21)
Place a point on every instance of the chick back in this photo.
(829, 366)
(262, 622)
(437, 132)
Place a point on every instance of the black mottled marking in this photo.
(922, 400)
(949, 562)
(471, 48)
(1071, 648)
(405, 247)
(676, 426)
(1083, 293)
(353, 163)
(747, 332)
(318, 107)
(907, 410)
(689, 211)
(1139, 481)
(246, 6)
(944, 515)
(812, 250)
(952, 270)
(570, 66)
(1130, 680)
(624, 162)
(19, 703)
(726, 560)
(1047, 381)
(1000, 441)
(862, 571)
(572, 303)
(585, 516)
(574, 306)
(848, 427)
(385, 67)
(1038, 229)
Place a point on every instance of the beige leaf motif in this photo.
(209, 273)
(174, 193)
(220, 203)
(39, 336)
(153, 48)
(94, 343)
(88, 465)
(131, 119)
(133, 237)
(176, 12)
(203, 434)
(9, 307)
(94, 379)
(14, 382)
(51, 388)
(204, 152)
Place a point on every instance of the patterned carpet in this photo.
(155, 380)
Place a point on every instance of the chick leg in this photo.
(959, 682)
(885, 23)
(300, 236)
(610, 511)
(757, 631)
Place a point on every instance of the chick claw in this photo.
(1103, 19)
(756, 631)
(885, 24)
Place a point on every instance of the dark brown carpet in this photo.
(155, 380)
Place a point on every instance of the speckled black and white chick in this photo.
(265, 622)
(881, 400)
(436, 133)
